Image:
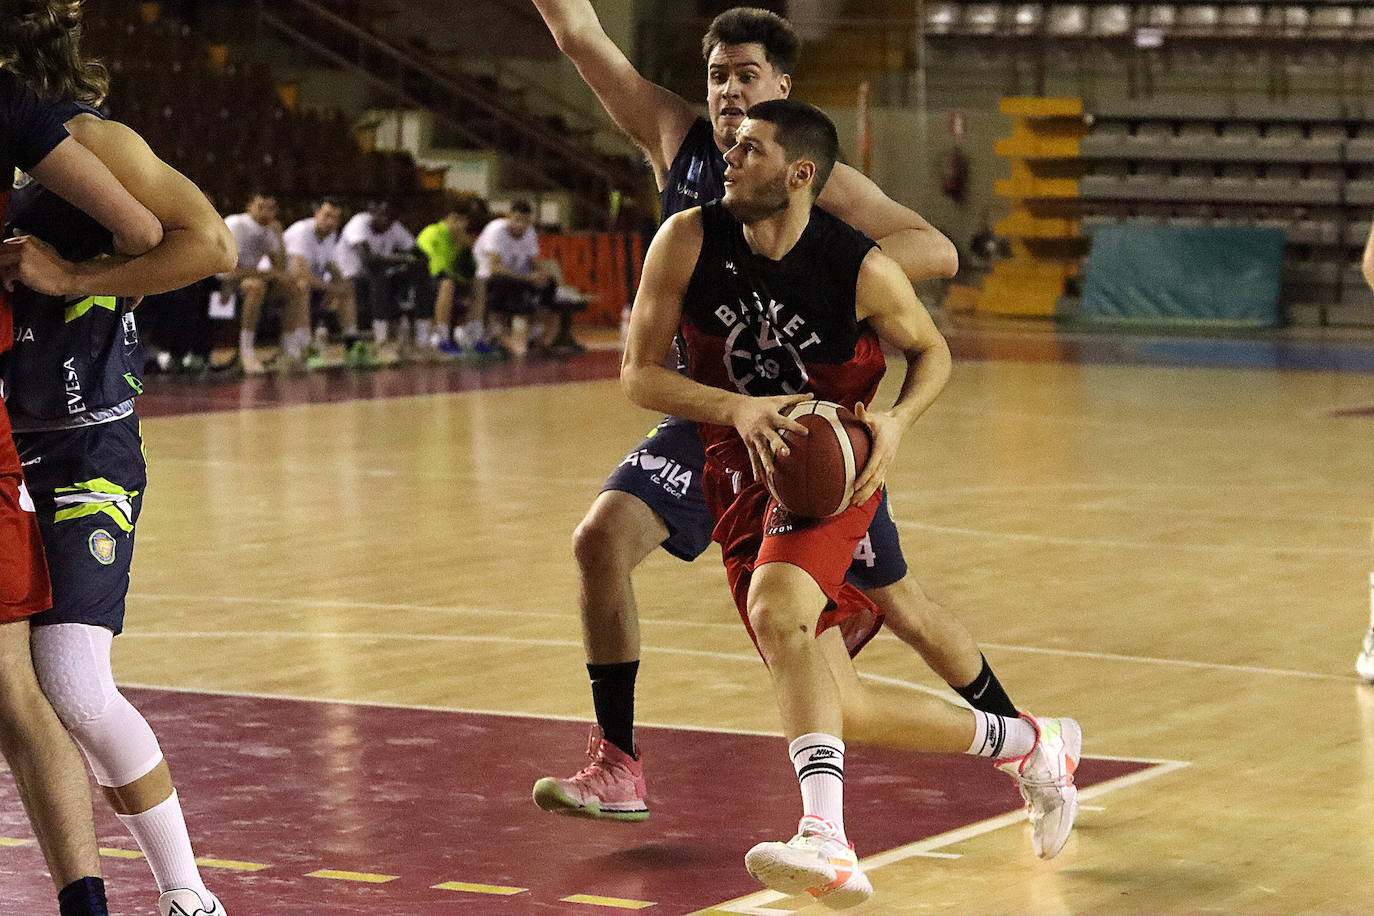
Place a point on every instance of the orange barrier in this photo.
(604, 265)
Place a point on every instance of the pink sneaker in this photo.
(610, 787)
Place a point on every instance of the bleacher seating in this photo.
(1305, 167)
(224, 124)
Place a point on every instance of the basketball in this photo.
(816, 477)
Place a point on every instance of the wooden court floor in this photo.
(1176, 556)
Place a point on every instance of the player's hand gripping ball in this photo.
(816, 476)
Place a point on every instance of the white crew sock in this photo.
(161, 834)
(1000, 737)
(379, 330)
(819, 761)
(443, 333)
(422, 326)
(247, 340)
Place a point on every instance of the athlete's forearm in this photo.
(927, 372)
(655, 387)
(923, 254)
(183, 257)
(570, 21)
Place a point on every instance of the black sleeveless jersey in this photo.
(71, 356)
(697, 175)
(765, 327)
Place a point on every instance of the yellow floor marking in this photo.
(110, 853)
(480, 888)
(352, 876)
(231, 864)
(8, 841)
(609, 901)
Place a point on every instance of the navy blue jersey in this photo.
(697, 175)
(72, 357)
(29, 130)
(32, 128)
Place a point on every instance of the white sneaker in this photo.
(1364, 665)
(183, 902)
(1045, 779)
(816, 861)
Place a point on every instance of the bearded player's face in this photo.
(755, 173)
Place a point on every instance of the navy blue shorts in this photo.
(87, 486)
(664, 472)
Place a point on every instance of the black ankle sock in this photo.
(986, 693)
(83, 897)
(613, 695)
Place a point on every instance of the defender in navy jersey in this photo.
(749, 54)
(774, 279)
(47, 770)
(70, 384)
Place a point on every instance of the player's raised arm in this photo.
(884, 297)
(195, 242)
(921, 250)
(654, 118)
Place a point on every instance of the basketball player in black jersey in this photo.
(767, 279)
(749, 54)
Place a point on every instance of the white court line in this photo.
(1131, 545)
(499, 640)
(1177, 662)
(756, 904)
(479, 611)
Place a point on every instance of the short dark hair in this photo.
(522, 207)
(255, 193)
(744, 25)
(802, 131)
(326, 201)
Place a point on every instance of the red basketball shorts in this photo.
(752, 529)
(24, 587)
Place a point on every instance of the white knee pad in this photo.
(73, 665)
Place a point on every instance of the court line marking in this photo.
(360, 876)
(496, 889)
(509, 641)
(728, 656)
(620, 903)
(1128, 545)
(756, 904)
(110, 852)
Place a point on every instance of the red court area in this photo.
(355, 809)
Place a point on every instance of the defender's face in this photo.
(738, 76)
(755, 173)
(517, 224)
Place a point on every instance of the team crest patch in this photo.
(781, 521)
(102, 547)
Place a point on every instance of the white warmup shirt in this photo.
(254, 240)
(303, 242)
(517, 252)
(358, 232)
